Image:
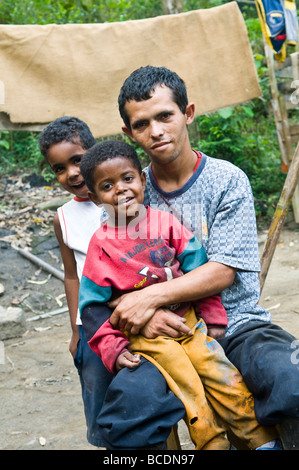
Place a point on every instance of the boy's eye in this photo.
(77, 160)
(128, 178)
(107, 186)
(58, 169)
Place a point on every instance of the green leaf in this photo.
(248, 111)
(226, 113)
(5, 144)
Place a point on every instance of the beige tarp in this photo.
(77, 69)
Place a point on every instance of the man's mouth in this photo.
(160, 145)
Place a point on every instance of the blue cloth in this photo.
(264, 354)
(139, 409)
(94, 379)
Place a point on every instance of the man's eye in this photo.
(139, 125)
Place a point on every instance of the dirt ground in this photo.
(39, 385)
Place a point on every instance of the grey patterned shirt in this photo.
(216, 204)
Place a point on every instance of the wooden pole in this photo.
(41, 263)
(279, 216)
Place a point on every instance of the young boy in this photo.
(62, 143)
(137, 247)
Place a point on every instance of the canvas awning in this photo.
(78, 69)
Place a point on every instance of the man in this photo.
(214, 199)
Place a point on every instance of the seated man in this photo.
(213, 198)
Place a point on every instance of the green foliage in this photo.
(76, 11)
(244, 135)
(19, 151)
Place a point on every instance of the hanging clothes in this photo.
(278, 20)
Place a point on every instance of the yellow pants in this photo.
(210, 387)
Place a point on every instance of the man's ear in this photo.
(189, 113)
(127, 131)
(93, 197)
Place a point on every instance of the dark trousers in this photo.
(132, 409)
(95, 380)
(139, 409)
(268, 359)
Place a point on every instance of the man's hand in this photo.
(132, 311)
(136, 313)
(216, 332)
(165, 323)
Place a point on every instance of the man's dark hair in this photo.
(106, 150)
(143, 81)
(66, 128)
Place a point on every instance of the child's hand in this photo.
(127, 359)
(73, 346)
(216, 331)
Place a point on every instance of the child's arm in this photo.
(109, 344)
(71, 284)
(211, 310)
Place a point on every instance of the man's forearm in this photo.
(134, 310)
(209, 279)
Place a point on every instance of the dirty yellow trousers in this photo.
(211, 388)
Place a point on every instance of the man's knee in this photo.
(139, 409)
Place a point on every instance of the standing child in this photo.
(63, 143)
(137, 247)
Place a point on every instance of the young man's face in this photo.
(64, 159)
(120, 188)
(159, 126)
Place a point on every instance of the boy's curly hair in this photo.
(66, 128)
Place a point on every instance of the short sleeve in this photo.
(232, 237)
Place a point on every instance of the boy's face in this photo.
(120, 188)
(64, 159)
(159, 126)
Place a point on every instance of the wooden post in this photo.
(295, 70)
(280, 116)
(279, 216)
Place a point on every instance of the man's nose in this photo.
(156, 129)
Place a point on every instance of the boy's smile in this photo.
(120, 188)
(64, 159)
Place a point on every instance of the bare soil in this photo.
(39, 385)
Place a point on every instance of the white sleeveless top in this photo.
(79, 219)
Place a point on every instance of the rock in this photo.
(1, 289)
(35, 180)
(12, 322)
